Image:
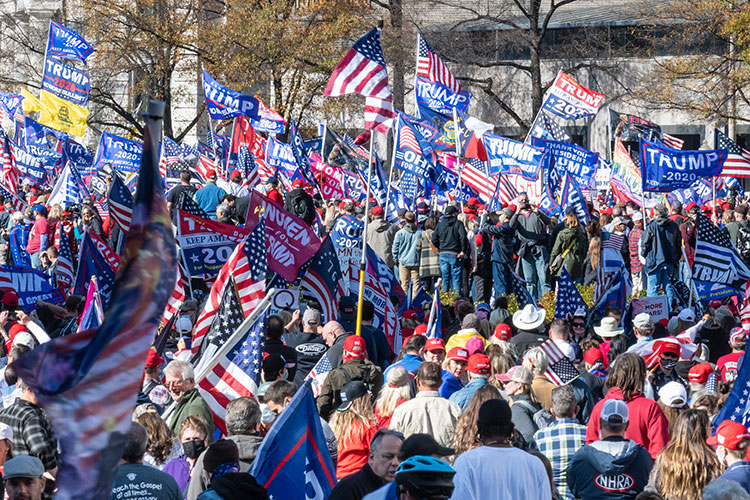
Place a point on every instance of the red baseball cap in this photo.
(700, 372)
(10, 298)
(435, 345)
(297, 183)
(153, 359)
(236, 174)
(668, 346)
(422, 330)
(715, 303)
(458, 354)
(503, 332)
(472, 201)
(409, 314)
(211, 173)
(479, 363)
(592, 355)
(691, 206)
(355, 345)
(377, 210)
(729, 434)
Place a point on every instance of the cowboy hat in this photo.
(529, 318)
(608, 328)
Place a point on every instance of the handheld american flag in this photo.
(430, 66)
(120, 204)
(737, 163)
(88, 382)
(189, 205)
(319, 373)
(323, 279)
(560, 370)
(716, 258)
(568, 298)
(64, 268)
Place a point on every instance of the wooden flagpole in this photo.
(363, 260)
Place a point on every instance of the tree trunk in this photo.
(397, 75)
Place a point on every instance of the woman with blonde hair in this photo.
(354, 425)
(687, 463)
(500, 363)
(465, 437)
(591, 262)
(162, 445)
(395, 391)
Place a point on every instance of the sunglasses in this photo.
(577, 325)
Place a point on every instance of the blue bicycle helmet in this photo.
(426, 477)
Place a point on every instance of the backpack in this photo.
(743, 243)
(542, 418)
(299, 207)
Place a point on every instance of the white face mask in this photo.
(722, 459)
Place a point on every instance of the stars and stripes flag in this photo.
(568, 297)
(248, 266)
(737, 163)
(235, 374)
(547, 128)
(323, 280)
(249, 168)
(5, 282)
(716, 259)
(672, 141)
(430, 66)
(64, 269)
(522, 294)
(90, 395)
(172, 154)
(120, 204)
(18, 203)
(363, 71)
(474, 175)
(319, 373)
(187, 204)
(178, 296)
(11, 175)
(560, 369)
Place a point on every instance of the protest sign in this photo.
(206, 244)
(656, 307)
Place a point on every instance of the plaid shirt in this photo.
(634, 239)
(32, 432)
(559, 442)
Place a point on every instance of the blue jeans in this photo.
(500, 280)
(36, 263)
(535, 272)
(450, 268)
(660, 277)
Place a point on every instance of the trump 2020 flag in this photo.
(88, 382)
(224, 103)
(293, 462)
(66, 43)
(664, 169)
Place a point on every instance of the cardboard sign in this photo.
(655, 306)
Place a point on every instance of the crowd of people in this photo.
(472, 412)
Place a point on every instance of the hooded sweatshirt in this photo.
(613, 468)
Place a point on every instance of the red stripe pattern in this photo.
(430, 66)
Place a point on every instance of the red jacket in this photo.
(354, 452)
(648, 425)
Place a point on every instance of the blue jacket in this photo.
(740, 472)
(502, 242)
(208, 198)
(405, 245)
(613, 468)
(462, 397)
(450, 385)
(410, 362)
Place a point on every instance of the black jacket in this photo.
(310, 348)
(523, 341)
(357, 485)
(450, 236)
(301, 204)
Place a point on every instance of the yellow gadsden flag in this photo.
(30, 102)
(63, 115)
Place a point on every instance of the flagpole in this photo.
(323, 141)
(363, 260)
(390, 174)
(432, 309)
(458, 155)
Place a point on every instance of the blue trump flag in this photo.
(439, 98)
(506, 156)
(10, 102)
(32, 285)
(224, 103)
(575, 160)
(665, 169)
(66, 43)
(66, 81)
(41, 135)
(119, 153)
(572, 197)
(293, 462)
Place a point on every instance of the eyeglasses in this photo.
(577, 325)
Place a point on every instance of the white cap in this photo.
(687, 314)
(184, 325)
(614, 411)
(6, 432)
(673, 394)
(637, 216)
(643, 321)
(23, 338)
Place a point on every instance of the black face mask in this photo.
(193, 448)
(668, 364)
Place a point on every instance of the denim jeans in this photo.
(535, 272)
(658, 278)
(500, 280)
(450, 269)
(36, 263)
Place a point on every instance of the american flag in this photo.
(102, 206)
(379, 114)
(18, 203)
(89, 397)
(716, 258)
(11, 175)
(430, 66)
(568, 299)
(64, 268)
(560, 370)
(178, 295)
(737, 163)
(120, 204)
(323, 280)
(237, 373)
(474, 175)
(672, 141)
(173, 155)
(547, 128)
(249, 168)
(319, 373)
(248, 266)
(522, 294)
(5, 282)
(189, 205)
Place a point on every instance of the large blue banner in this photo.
(10, 102)
(224, 103)
(665, 169)
(439, 98)
(293, 462)
(66, 43)
(699, 192)
(506, 156)
(66, 81)
(41, 135)
(29, 165)
(52, 160)
(119, 153)
(575, 160)
(32, 285)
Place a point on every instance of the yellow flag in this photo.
(30, 102)
(63, 115)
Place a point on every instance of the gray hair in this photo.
(471, 321)
(538, 361)
(661, 210)
(724, 489)
(222, 209)
(17, 216)
(564, 401)
(243, 416)
(378, 437)
(184, 369)
(136, 440)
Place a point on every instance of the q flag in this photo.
(32, 285)
(507, 156)
(224, 103)
(66, 81)
(118, 152)
(576, 161)
(96, 259)
(665, 169)
(290, 242)
(293, 462)
(570, 100)
(66, 43)
(90, 393)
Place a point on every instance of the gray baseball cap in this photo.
(23, 466)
